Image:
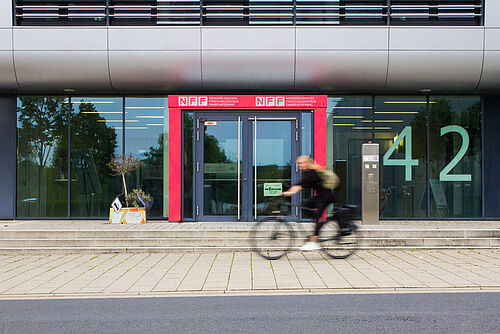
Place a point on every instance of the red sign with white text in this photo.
(247, 101)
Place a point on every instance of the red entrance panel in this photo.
(178, 103)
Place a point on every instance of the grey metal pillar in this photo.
(370, 184)
(8, 127)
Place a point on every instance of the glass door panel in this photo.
(221, 167)
(274, 145)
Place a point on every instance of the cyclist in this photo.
(319, 202)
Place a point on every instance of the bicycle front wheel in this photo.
(334, 244)
(272, 237)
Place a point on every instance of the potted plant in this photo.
(131, 207)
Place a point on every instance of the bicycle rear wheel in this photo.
(272, 237)
(334, 244)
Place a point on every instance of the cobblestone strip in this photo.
(262, 273)
(349, 271)
(218, 277)
(457, 266)
(110, 275)
(42, 279)
(156, 272)
(412, 269)
(328, 274)
(123, 283)
(173, 278)
(306, 274)
(57, 282)
(425, 261)
(374, 274)
(110, 260)
(31, 272)
(393, 268)
(195, 279)
(240, 277)
(284, 274)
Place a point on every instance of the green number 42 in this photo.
(408, 162)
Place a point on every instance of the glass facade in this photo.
(430, 152)
(84, 134)
(42, 161)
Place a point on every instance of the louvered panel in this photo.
(75, 12)
(249, 12)
(443, 12)
(171, 12)
(346, 12)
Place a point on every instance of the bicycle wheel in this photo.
(334, 244)
(272, 237)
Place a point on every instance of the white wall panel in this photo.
(248, 70)
(341, 71)
(442, 59)
(5, 13)
(7, 75)
(492, 13)
(59, 58)
(155, 59)
(342, 38)
(244, 38)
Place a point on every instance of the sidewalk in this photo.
(189, 273)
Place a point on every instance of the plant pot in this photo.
(128, 216)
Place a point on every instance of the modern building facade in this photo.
(217, 98)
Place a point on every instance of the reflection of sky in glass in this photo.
(110, 109)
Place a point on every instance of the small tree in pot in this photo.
(124, 165)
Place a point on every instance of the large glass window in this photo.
(146, 137)
(455, 157)
(349, 124)
(401, 130)
(42, 164)
(96, 137)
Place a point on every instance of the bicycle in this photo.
(273, 236)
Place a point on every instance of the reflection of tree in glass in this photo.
(41, 123)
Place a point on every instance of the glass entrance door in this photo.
(243, 162)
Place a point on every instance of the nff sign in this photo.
(270, 101)
(193, 101)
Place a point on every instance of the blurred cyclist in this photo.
(323, 197)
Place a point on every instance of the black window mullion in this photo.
(428, 148)
(123, 126)
(69, 154)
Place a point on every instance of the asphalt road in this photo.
(356, 313)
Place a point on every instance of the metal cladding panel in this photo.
(341, 71)
(7, 75)
(443, 59)
(154, 39)
(492, 13)
(243, 38)
(343, 38)
(245, 70)
(6, 14)
(341, 59)
(164, 59)
(55, 59)
(150, 71)
(490, 79)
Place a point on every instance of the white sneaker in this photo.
(310, 246)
